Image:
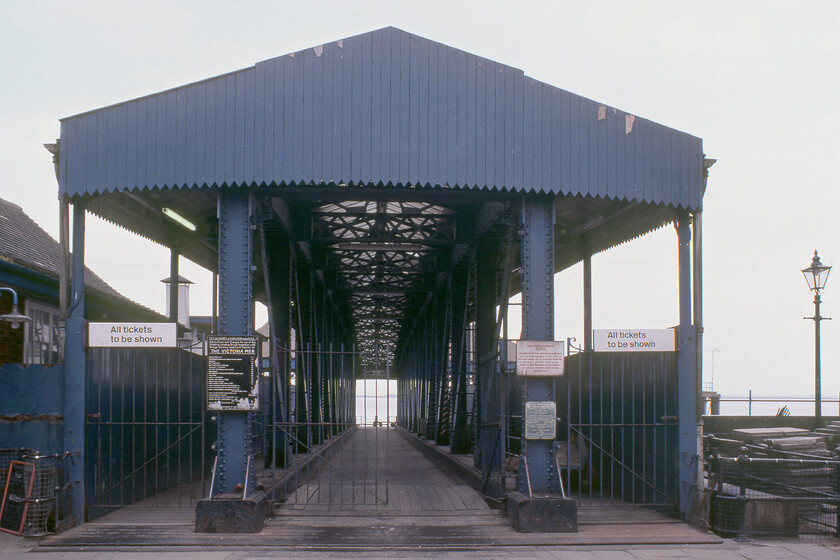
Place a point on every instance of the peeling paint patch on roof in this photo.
(628, 123)
(602, 113)
(319, 50)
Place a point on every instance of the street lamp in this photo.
(816, 275)
(14, 317)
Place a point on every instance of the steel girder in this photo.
(459, 288)
(540, 475)
(689, 459)
(235, 319)
(488, 390)
(75, 377)
(275, 249)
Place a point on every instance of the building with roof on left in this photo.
(31, 356)
(29, 263)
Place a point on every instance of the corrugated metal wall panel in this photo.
(384, 107)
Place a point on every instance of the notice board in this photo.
(18, 489)
(539, 358)
(232, 373)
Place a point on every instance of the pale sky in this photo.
(759, 82)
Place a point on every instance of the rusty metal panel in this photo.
(384, 107)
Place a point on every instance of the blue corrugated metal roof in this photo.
(385, 107)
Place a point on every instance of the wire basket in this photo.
(6, 457)
(48, 506)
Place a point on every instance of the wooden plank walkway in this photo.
(422, 508)
(378, 472)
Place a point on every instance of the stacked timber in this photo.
(831, 432)
(785, 440)
(807, 445)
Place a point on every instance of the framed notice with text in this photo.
(540, 420)
(539, 358)
(232, 372)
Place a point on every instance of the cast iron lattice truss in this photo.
(382, 252)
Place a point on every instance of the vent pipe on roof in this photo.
(183, 301)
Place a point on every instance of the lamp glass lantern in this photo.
(816, 275)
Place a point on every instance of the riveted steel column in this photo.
(440, 365)
(422, 374)
(537, 324)
(460, 281)
(236, 308)
(437, 369)
(303, 359)
(487, 390)
(75, 374)
(686, 375)
(278, 292)
(316, 362)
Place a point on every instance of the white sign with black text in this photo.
(132, 335)
(634, 340)
(539, 358)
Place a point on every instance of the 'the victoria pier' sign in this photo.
(232, 373)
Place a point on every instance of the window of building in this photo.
(43, 338)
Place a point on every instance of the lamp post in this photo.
(816, 275)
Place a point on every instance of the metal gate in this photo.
(618, 412)
(334, 430)
(145, 428)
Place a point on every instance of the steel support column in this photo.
(587, 302)
(276, 256)
(75, 374)
(686, 375)
(442, 389)
(459, 287)
(539, 505)
(488, 391)
(236, 307)
(303, 359)
(316, 363)
(538, 324)
(426, 370)
(174, 284)
(437, 368)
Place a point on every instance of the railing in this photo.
(618, 433)
(754, 402)
(146, 428)
(762, 497)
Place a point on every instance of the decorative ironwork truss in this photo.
(382, 253)
(380, 221)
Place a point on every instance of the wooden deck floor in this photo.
(422, 507)
(379, 472)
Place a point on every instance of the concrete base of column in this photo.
(542, 514)
(229, 513)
